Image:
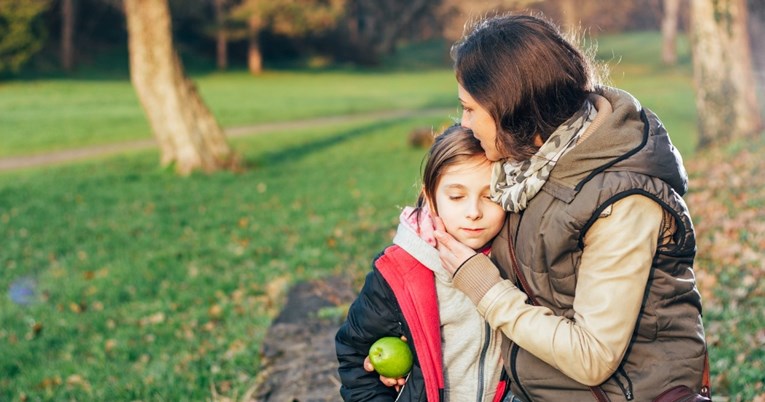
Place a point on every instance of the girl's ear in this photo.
(429, 203)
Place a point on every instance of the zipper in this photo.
(626, 390)
(482, 361)
(520, 282)
(514, 349)
(517, 228)
(401, 331)
(401, 391)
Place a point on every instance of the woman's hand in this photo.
(397, 383)
(453, 253)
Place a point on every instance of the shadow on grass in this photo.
(293, 153)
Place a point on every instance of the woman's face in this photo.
(478, 119)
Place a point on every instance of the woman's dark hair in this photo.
(455, 145)
(523, 71)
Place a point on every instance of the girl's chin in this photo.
(475, 244)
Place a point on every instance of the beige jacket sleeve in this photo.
(616, 261)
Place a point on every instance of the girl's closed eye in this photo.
(462, 199)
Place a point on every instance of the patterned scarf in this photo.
(513, 184)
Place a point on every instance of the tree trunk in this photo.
(571, 20)
(186, 131)
(68, 10)
(757, 30)
(669, 32)
(221, 45)
(298, 361)
(221, 38)
(391, 31)
(254, 57)
(722, 71)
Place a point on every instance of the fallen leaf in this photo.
(156, 318)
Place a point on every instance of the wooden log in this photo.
(298, 361)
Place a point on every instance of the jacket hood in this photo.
(630, 138)
(408, 239)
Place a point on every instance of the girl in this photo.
(408, 293)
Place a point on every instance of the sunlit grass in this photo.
(635, 65)
(122, 281)
(141, 285)
(54, 114)
(88, 109)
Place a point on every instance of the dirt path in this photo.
(69, 155)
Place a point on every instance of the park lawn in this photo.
(53, 114)
(122, 281)
(90, 108)
(634, 65)
(125, 282)
(727, 202)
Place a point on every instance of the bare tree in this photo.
(722, 71)
(757, 30)
(669, 31)
(221, 36)
(285, 17)
(68, 12)
(186, 131)
(381, 23)
(456, 13)
(254, 56)
(569, 9)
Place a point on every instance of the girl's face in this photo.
(478, 119)
(462, 199)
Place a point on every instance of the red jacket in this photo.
(414, 286)
(415, 289)
(411, 310)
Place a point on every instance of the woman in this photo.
(603, 241)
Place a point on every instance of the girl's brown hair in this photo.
(523, 71)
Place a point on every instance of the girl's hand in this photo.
(397, 383)
(453, 253)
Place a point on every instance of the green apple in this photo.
(391, 357)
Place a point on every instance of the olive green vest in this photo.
(635, 156)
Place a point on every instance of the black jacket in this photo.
(373, 315)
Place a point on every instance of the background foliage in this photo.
(359, 32)
(121, 281)
(22, 32)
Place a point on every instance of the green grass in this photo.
(91, 108)
(54, 114)
(47, 115)
(635, 66)
(153, 287)
(726, 199)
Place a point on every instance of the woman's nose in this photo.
(464, 122)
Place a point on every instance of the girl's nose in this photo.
(474, 211)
